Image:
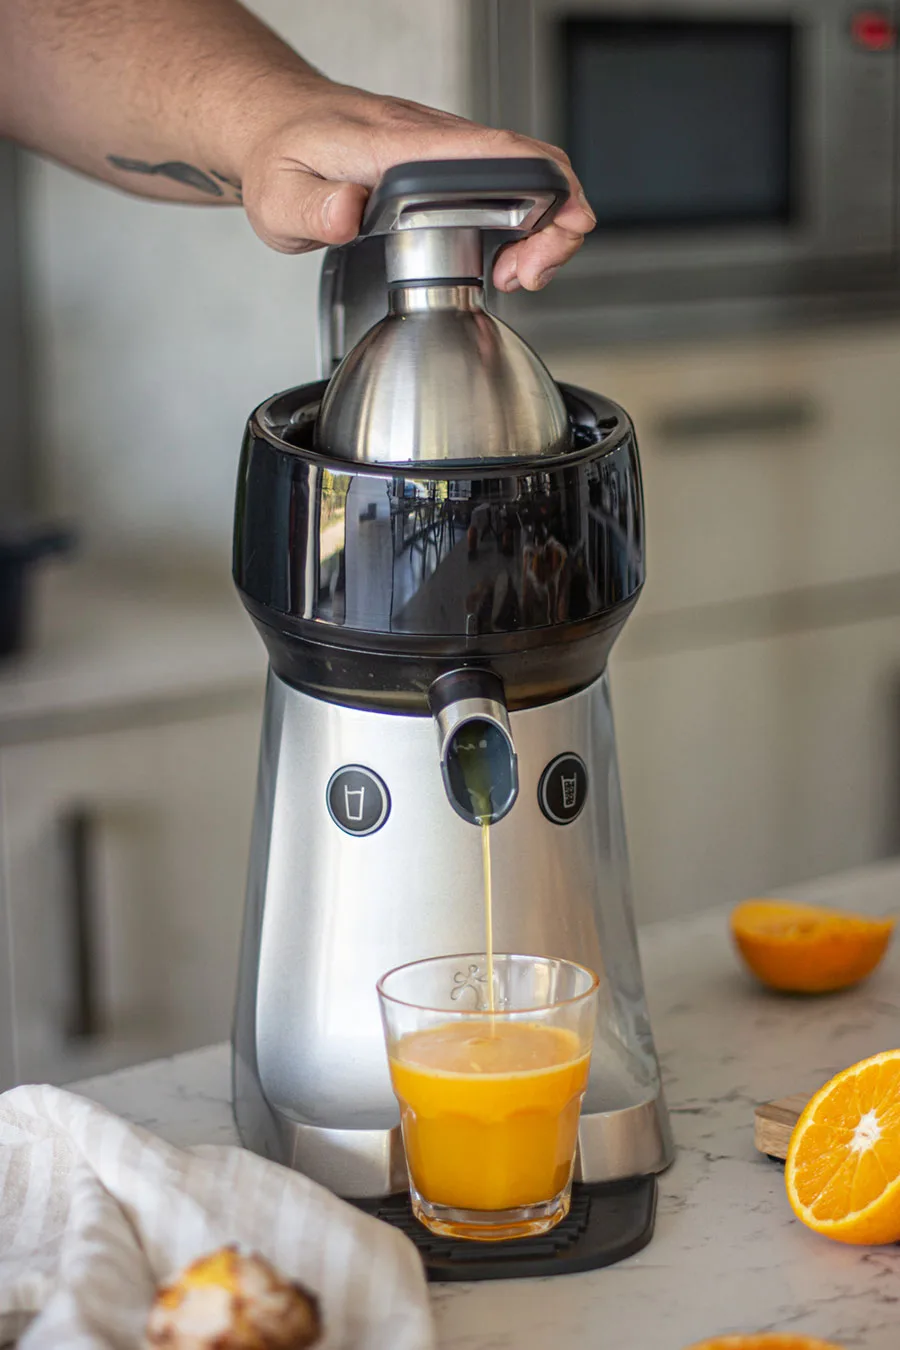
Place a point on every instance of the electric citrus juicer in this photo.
(434, 537)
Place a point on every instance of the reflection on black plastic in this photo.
(451, 556)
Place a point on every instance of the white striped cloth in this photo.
(94, 1212)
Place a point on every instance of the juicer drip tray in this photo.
(606, 1222)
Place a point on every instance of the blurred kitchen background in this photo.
(740, 299)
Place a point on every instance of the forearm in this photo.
(197, 101)
(159, 97)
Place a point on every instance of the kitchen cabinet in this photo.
(752, 765)
(124, 855)
(770, 466)
(757, 686)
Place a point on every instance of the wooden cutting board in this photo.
(774, 1123)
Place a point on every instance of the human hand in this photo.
(305, 178)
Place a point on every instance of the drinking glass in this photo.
(490, 1078)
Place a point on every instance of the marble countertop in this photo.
(727, 1254)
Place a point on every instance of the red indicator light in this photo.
(873, 31)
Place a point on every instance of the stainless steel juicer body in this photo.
(335, 912)
(403, 584)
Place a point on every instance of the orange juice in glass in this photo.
(489, 1099)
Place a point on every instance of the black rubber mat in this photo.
(605, 1224)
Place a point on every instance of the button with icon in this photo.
(357, 800)
(563, 789)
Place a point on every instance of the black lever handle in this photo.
(516, 195)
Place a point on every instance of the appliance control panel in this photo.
(563, 789)
(359, 803)
(357, 800)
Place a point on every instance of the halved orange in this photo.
(767, 1340)
(843, 1165)
(803, 949)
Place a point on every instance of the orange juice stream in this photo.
(477, 778)
(490, 1110)
(488, 908)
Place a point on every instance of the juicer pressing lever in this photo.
(461, 198)
(428, 374)
(489, 194)
(434, 213)
(477, 754)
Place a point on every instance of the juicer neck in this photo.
(418, 298)
(433, 255)
(477, 754)
(434, 269)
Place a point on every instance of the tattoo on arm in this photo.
(186, 174)
(233, 183)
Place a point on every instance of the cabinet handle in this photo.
(761, 416)
(85, 1020)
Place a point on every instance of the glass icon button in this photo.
(563, 789)
(357, 800)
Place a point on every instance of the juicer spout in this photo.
(477, 754)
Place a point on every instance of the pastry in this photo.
(232, 1301)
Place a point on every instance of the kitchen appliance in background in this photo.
(741, 157)
(437, 539)
(23, 544)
